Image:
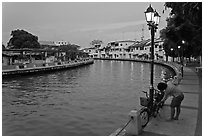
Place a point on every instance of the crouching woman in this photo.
(169, 90)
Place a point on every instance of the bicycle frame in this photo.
(156, 99)
(150, 110)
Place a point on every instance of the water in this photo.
(93, 100)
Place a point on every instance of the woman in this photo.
(170, 89)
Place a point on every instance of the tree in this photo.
(72, 51)
(3, 47)
(184, 23)
(21, 39)
(96, 43)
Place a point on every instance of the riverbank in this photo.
(174, 67)
(34, 68)
(190, 121)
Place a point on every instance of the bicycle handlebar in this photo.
(154, 90)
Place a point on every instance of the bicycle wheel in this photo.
(144, 115)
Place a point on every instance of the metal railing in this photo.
(124, 126)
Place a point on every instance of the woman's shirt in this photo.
(171, 90)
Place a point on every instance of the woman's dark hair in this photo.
(162, 86)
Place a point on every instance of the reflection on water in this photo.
(87, 101)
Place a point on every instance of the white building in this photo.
(92, 51)
(59, 43)
(120, 49)
(127, 49)
(49, 43)
(143, 49)
(53, 43)
(158, 49)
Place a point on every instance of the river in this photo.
(92, 100)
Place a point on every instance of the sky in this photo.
(79, 22)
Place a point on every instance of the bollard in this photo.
(175, 81)
(180, 77)
(134, 128)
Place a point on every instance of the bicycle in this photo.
(148, 111)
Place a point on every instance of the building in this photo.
(142, 49)
(59, 43)
(127, 49)
(53, 43)
(158, 49)
(6, 59)
(120, 49)
(47, 43)
(94, 51)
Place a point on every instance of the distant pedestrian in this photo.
(170, 89)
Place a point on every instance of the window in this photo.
(113, 43)
(156, 45)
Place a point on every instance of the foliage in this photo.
(184, 23)
(3, 47)
(21, 39)
(72, 51)
(96, 42)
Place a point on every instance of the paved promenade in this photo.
(190, 120)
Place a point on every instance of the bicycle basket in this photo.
(144, 101)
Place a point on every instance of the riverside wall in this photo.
(174, 67)
(28, 69)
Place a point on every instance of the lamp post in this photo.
(172, 54)
(179, 53)
(183, 42)
(152, 18)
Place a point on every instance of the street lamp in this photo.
(183, 42)
(172, 53)
(179, 53)
(152, 18)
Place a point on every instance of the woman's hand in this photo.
(161, 102)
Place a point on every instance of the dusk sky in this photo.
(80, 22)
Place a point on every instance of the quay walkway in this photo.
(190, 120)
